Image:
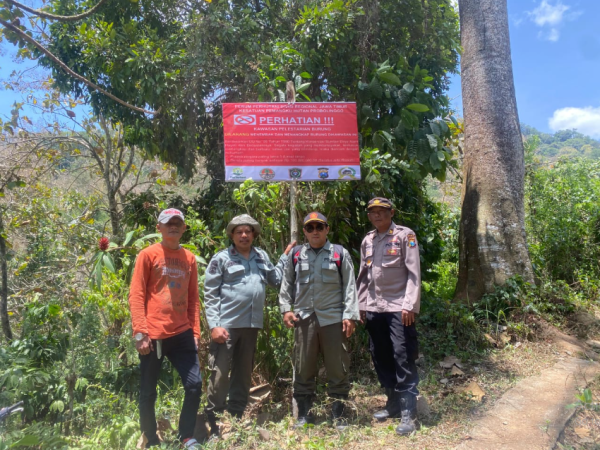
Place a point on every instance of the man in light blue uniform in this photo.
(234, 299)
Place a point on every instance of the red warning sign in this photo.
(291, 141)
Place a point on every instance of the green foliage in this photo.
(183, 60)
(498, 306)
(563, 218)
(568, 143)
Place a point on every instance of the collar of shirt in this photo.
(326, 247)
(379, 236)
(234, 252)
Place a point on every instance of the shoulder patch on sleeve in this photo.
(212, 268)
(412, 240)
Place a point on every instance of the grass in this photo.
(494, 370)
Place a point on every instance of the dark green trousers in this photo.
(235, 356)
(310, 339)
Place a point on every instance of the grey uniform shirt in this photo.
(314, 284)
(235, 287)
(389, 278)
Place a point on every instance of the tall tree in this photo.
(492, 239)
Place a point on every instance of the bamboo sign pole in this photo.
(290, 94)
(293, 218)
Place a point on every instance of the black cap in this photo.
(381, 202)
(315, 217)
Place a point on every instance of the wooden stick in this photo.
(290, 94)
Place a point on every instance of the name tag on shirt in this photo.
(235, 269)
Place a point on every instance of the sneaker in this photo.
(191, 443)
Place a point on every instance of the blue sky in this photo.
(555, 48)
(556, 63)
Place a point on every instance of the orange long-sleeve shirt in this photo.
(163, 297)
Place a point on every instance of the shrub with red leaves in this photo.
(103, 244)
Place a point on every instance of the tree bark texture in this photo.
(4, 288)
(492, 242)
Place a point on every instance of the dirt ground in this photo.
(457, 394)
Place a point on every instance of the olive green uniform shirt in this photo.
(315, 284)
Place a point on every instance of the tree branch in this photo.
(66, 68)
(45, 15)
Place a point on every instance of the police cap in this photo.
(381, 202)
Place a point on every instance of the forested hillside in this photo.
(569, 143)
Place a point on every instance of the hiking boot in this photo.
(408, 421)
(236, 414)
(337, 411)
(304, 403)
(392, 406)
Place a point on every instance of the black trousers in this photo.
(394, 349)
(181, 351)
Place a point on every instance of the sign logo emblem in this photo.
(237, 173)
(267, 174)
(295, 173)
(239, 119)
(323, 173)
(347, 172)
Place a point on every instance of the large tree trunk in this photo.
(492, 239)
(4, 288)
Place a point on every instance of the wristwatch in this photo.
(139, 336)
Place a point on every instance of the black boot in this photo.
(337, 411)
(408, 422)
(304, 403)
(236, 414)
(214, 426)
(392, 406)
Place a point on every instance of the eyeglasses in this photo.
(311, 228)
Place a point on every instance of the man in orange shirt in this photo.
(164, 307)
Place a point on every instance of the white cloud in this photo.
(553, 35)
(585, 120)
(548, 14)
(550, 17)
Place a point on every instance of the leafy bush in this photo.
(563, 218)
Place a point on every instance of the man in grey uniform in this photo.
(318, 298)
(234, 298)
(389, 292)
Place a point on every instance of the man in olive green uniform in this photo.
(234, 298)
(318, 298)
(389, 293)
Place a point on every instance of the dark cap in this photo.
(315, 217)
(379, 201)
